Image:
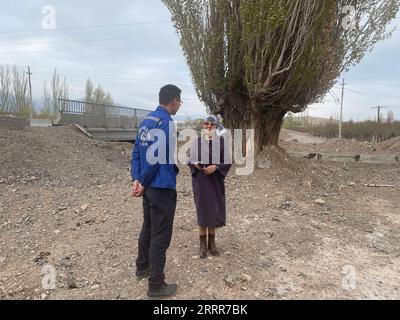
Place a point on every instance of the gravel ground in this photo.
(297, 229)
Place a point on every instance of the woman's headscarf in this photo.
(219, 127)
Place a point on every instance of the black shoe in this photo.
(166, 291)
(142, 274)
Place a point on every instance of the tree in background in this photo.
(58, 89)
(390, 117)
(253, 61)
(14, 91)
(47, 104)
(21, 102)
(89, 89)
(5, 89)
(97, 95)
(96, 98)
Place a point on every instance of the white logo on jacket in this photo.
(144, 136)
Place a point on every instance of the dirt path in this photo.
(65, 204)
(305, 138)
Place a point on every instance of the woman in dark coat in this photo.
(209, 170)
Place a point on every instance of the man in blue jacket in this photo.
(156, 183)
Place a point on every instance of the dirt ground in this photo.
(66, 214)
(302, 142)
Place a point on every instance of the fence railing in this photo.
(88, 108)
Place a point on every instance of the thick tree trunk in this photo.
(267, 126)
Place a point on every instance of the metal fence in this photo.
(96, 109)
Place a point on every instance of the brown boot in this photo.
(211, 245)
(203, 247)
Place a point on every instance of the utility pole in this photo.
(378, 129)
(30, 93)
(341, 111)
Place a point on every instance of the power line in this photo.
(87, 27)
(91, 49)
(335, 97)
(113, 71)
(355, 91)
(116, 78)
(86, 40)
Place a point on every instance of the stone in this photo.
(245, 277)
(264, 164)
(230, 280)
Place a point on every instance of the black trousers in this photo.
(158, 217)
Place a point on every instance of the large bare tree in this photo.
(252, 61)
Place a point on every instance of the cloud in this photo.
(134, 76)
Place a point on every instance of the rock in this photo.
(84, 207)
(43, 296)
(42, 257)
(352, 184)
(2, 259)
(245, 277)
(230, 280)
(71, 282)
(90, 221)
(62, 208)
(320, 202)
(264, 164)
(94, 287)
(288, 204)
(265, 263)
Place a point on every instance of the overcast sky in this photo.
(131, 48)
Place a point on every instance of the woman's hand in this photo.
(210, 170)
(197, 165)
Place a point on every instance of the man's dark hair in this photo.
(169, 93)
